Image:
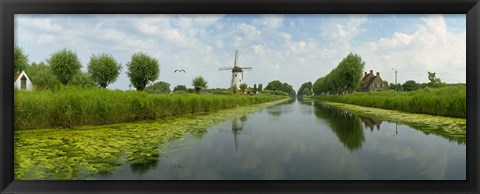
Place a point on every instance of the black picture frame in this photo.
(10, 7)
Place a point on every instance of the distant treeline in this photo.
(445, 101)
(345, 78)
(70, 106)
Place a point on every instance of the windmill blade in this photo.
(224, 68)
(246, 68)
(236, 56)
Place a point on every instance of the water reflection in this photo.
(145, 160)
(344, 124)
(237, 128)
(276, 111)
(370, 123)
(307, 140)
(141, 168)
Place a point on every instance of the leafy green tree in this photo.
(243, 86)
(158, 88)
(275, 85)
(180, 87)
(302, 88)
(20, 60)
(288, 89)
(83, 80)
(254, 88)
(103, 69)
(392, 86)
(307, 92)
(199, 83)
(397, 87)
(64, 65)
(345, 78)
(234, 88)
(435, 82)
(260, 88)
(410, 85)
(42, 77)
(142, 69)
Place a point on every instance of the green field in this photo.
(71, 107)
(447, 101)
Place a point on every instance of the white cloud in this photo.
(42, 23)
(432, 47)
(342, 28)
(269, 22)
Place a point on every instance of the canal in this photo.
(303, 139)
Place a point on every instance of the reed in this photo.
(71, 107)
(447, 101)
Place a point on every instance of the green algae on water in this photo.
(72, 154)
(451, 128)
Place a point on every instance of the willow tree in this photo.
(199, 83)
(142, 69)
(64, 65)
(20, 60)
(103, 69)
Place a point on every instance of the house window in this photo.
(235, 75)
(24, 83)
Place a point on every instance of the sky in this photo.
(291, 48)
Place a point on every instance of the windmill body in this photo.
(237, 72)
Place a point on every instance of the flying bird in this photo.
(179, 70)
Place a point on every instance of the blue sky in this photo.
(290, 48)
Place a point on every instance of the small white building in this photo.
(22, 82)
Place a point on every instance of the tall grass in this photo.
(70, 107)
(447, 101)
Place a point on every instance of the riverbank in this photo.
(447, 101)
(448, 127)
(81, 152)
(71, 107)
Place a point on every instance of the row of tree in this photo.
(161, 87)
(277, 85)
(345, 78)
(103, 69)
(64, 68)
(305, 89)
(411, 85)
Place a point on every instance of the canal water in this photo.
(302, 139)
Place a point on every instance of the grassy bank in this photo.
(88, 150)
(447, 101)
(453, 129)
(71, 107)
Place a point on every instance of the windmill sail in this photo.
(236, 56)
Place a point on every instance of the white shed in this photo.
(22, 82)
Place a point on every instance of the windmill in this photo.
(237, 72)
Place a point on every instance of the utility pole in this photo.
(396, 87)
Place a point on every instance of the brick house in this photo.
(372, 83)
